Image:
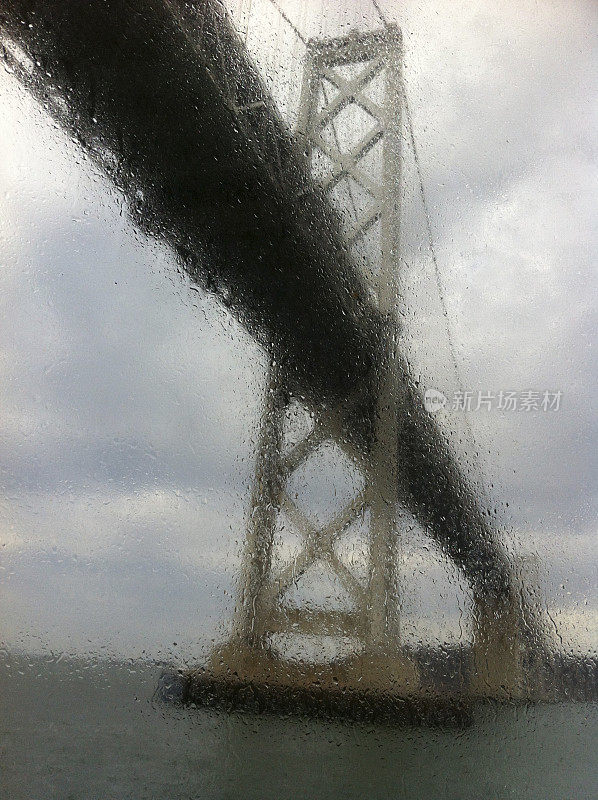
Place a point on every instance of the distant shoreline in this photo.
(566, 677)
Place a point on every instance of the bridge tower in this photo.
(356, 78)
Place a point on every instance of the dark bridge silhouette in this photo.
(165, 99)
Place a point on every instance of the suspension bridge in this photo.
(165, 98)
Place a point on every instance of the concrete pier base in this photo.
(497, 657)
(508, 655)
(367, 687)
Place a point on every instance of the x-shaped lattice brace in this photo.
(372, 57)
(263, 610)
(374, 616)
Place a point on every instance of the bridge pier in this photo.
(497, 657)
(509, 657)
(372, 621)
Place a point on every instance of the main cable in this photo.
(432, 248)
(289, 22)
(380, 14)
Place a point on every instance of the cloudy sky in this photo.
(130, 401)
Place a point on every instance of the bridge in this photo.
(164, 97)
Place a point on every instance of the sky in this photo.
(131, 400)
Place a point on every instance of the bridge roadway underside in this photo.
(151, 90)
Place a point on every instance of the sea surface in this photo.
(94, 730)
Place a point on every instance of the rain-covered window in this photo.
(297, 432)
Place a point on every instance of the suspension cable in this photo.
(455, 363)
(289, 22)
(422, 192)
(430, 235)
(431, 245)
(383, 19)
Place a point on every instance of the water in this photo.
(77, 730)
